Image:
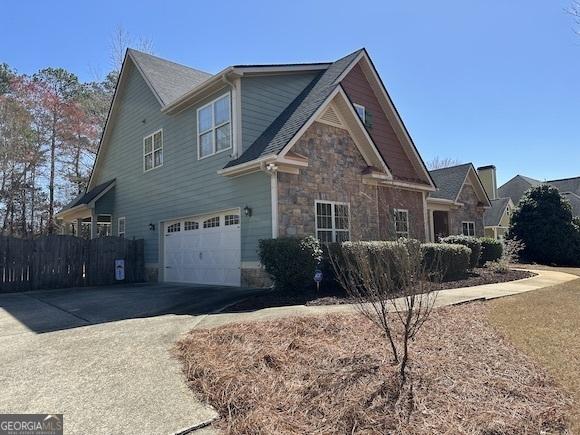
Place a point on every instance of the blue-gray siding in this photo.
(264, 98)
(184, 185)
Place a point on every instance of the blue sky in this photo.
(487, 81)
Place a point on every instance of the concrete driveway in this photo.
(100, 356)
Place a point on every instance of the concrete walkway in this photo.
(544, 278)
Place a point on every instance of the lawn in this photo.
(545, 324)
(331, 375)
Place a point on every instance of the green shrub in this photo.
(544, 224)
(291, 261)
(446, 261)
(491, 250)
(471, 242)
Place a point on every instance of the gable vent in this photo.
(330, 117)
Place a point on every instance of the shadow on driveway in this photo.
(53, 310)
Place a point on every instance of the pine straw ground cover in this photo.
(331, 374)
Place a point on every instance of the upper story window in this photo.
(153, 151)
(402, 223)
(362, 113)
(468, 228)
(214, 129)
(332, 221)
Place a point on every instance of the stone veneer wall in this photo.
(470, 211)
(390, 199)
(333, 174)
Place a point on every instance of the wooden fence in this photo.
(67, 261)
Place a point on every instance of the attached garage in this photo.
(203, 249)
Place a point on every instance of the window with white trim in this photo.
(190, 225)
(361, 110)
(401, 222)
(212, 222)
(214, 129)
(232, 219)
(174, 228)
(121, 227)
(468, 228)
(104, 225)
(153, 151)
(332, 221)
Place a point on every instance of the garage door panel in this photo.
(203, 255)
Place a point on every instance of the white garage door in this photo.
(204, 249)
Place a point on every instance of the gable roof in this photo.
(516, 187)
(168, 80)
(89, 196)
(492, 216)
(449, 181)
(291, 120)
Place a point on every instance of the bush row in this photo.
(292, 262)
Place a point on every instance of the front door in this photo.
(440, 224)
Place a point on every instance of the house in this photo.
(203, 166)
(569, 188)
(496, 219)
(458, 206)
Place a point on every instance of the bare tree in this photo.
(391, 287)
(439, 163)
(121, 39)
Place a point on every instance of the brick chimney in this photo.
(488, 179)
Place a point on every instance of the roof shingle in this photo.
(169, 80)
(291, 120)
(449, 181)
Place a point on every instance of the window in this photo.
(174, 228)
(212, 222)
(153, 151)
(361, 112)
(332, 221)
(468, 228)
(214, 132)
(104, 225)
(190, 225)
(121, 227)
(232, 219)
(402, 223)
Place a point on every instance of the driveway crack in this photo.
(87, 321)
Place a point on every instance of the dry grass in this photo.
(545, 324)
(331, 375)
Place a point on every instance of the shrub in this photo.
(291, 261)
(491, 250)
(447, 260)
(387, 253)
(471, 242)
(543, 222)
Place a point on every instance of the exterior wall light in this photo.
(247, 211)
(151, 227)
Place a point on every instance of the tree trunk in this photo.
(50, 224)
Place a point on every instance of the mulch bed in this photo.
(276, 298)
(331, 374)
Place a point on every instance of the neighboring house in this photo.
(569, 188)
(457, 207)
(496, 219)
(203, 166)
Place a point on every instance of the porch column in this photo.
(431, 227)
(79, 226)
(93, 224)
